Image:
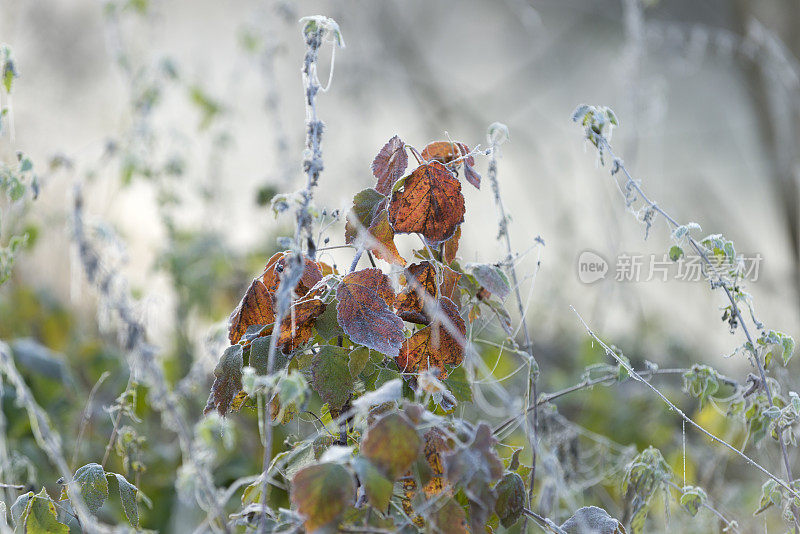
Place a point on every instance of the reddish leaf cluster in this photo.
(365, 313)
(257, 305)
(428, 201)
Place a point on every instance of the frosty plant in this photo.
(389, 365)
(762, 405)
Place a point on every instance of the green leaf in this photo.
(458, 384)
(701, 381)
(40, 516)
(259, 354)
(331, 375)
(392, 444)
(770, 494)
(19, 507)
(675, 252)
(358, 360)
(328, 323)
(292, 389)
(127, 495)
(645, 475)
(510, 501)
(322, 492)
(365, 207)
(592, 519)
(227, 380)
(692, 499)
(377, 487)
(93, 484)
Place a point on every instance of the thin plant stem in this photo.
(677, 410)
(604, 145)
(531, 430)
(86, 417)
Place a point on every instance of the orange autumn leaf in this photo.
(368, 223)
(446, 152)
(434, 346)
(325, 269)
(419, 276)
(276, 265)
(298, 326)
(382, 232)
(254, 308)
(364, 311)
(431, 204)
(390, 164)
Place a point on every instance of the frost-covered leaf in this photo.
(770, 494)
(459, 385)
(447, 152)
(776, 343)
(364, 311)
(683, 230)
(692, 498)
(358, 360)
(450, 247)
(255, 308)
(19, 507)
(227, 380)
(39, 516)
(327, 324)
(331, 375)
(475, 461)
(297, 327)
(278, 263)
(127, 495)
(391, 445)
(434, 345)
(424, 278)
(592, 520)
(645, 476)
(381, 236)
(322, 492)
(377, 487)
(91, 479)
(510, 499)
(390, 164)
(430, 204)
(492, 278)
(449, 518)
(366, 204)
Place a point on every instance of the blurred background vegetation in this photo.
(183, 119)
